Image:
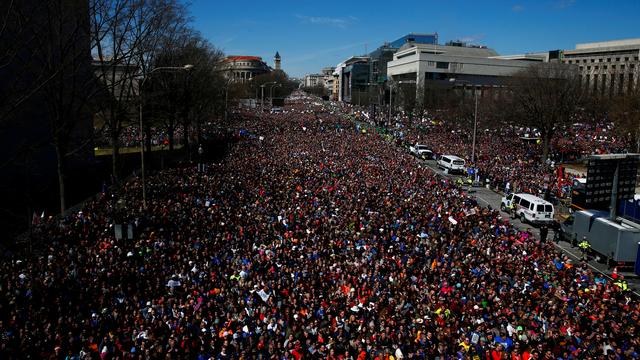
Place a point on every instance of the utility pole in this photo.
(390, 100)
(140, 88)
(475, 126)
(262, 90)
(475, 114)
(226, 99)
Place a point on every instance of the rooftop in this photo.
(612, 43)
(414, 37)
(242, 57)
(482, 52)
(356, 59)
(527, 56)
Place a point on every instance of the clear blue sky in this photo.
(311, 34)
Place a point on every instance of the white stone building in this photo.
(607, 68)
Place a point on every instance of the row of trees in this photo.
(317, 90)
(70, 64)
(546, 96)
(131, 38)
(282, 86)
(550, 97)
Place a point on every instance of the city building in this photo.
(245, 68)
(607, 68)
(313, 80)
(434, 66)
(325, 78)
(353, 76)
(122, 80)
(382, 55)
(328, 79)
(337, 72)
(361, 74)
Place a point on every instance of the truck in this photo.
(616, 241)
(421, 151)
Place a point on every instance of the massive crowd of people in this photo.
(506, 157)
(310, 240)
(129, 136)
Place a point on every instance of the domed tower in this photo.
(276, 60)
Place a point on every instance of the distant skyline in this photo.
(311, 35)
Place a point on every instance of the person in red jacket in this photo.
(497, 353)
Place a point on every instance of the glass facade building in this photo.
(430, 39)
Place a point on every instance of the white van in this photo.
(451, 164)
(529, 208)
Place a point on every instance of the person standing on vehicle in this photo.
(584, 247)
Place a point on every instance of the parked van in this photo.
(451, 164)
(529, 208)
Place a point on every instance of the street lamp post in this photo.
(140, 87)
(475, 116)
(226, 99)
(390, 100)
(262, 91)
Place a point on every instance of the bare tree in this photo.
(544, 96)
(124, 37)
(277, 76)
(318, 90)
(625, 113)
(63, 52)
(405, 96)
(166, 92)
(187, 99)
(206, 80)
(47, 62)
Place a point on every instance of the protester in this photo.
(312, 239)
(509, 157)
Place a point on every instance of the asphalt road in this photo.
(486, 197)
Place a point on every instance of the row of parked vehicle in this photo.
(450, 164)
(527, 207)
